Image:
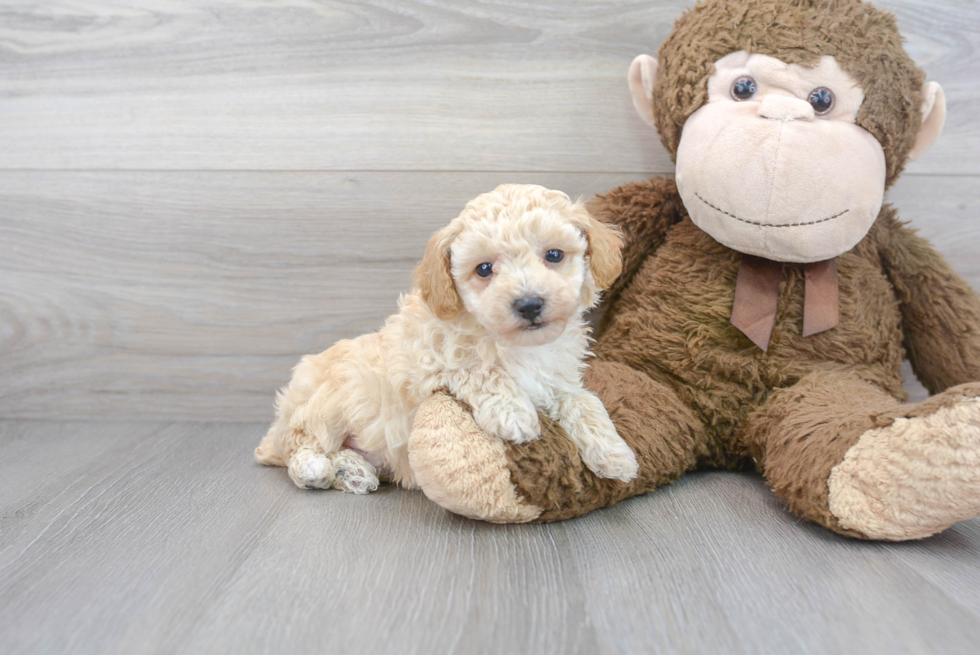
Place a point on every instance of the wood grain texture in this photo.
(191, 295)
(380, 85)
(165, 538)
(193, 194)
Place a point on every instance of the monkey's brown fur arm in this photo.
(940, 312)
(644, 211)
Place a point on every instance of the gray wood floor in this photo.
(193, 194)
(165, 538)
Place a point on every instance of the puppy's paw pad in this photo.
(613, 459)
(356, 481)
(354, 474)
(310, 470)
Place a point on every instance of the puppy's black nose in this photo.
(529, 308)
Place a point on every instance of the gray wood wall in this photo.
(193, 194)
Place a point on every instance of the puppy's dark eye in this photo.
(484, 269)
(822, 100)
(554, 256)
(744, 88)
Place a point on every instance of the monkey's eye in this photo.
(484, 269)
(744, 88)
(554, 256)
(822, 100)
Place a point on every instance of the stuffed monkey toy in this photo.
(767, 298)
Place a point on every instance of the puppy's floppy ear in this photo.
(605, 247)
(434, 278)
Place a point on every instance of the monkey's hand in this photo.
(940, 312)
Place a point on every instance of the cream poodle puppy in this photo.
(495, 317)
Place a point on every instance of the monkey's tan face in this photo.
(522, 274)
(774, 164)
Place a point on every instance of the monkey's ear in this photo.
(642, 76)
(933, 117)
(434, 277)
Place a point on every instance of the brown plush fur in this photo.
(686, 389)
(666, 436)
(940, 316)
(864, 40)
(802, 432)
(683, 386)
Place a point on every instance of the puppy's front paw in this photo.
(519, 427)
(510, 422)
(611, 458)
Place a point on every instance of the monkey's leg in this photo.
(471, 473)
(843, 453)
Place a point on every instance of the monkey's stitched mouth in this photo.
(745, 220)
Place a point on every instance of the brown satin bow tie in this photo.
(757, 292)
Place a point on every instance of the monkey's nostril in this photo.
(529, 308)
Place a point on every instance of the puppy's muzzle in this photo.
(529, 308)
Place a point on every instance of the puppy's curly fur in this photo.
(492, 317)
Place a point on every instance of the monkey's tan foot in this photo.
(462, 468)
(914, 477)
